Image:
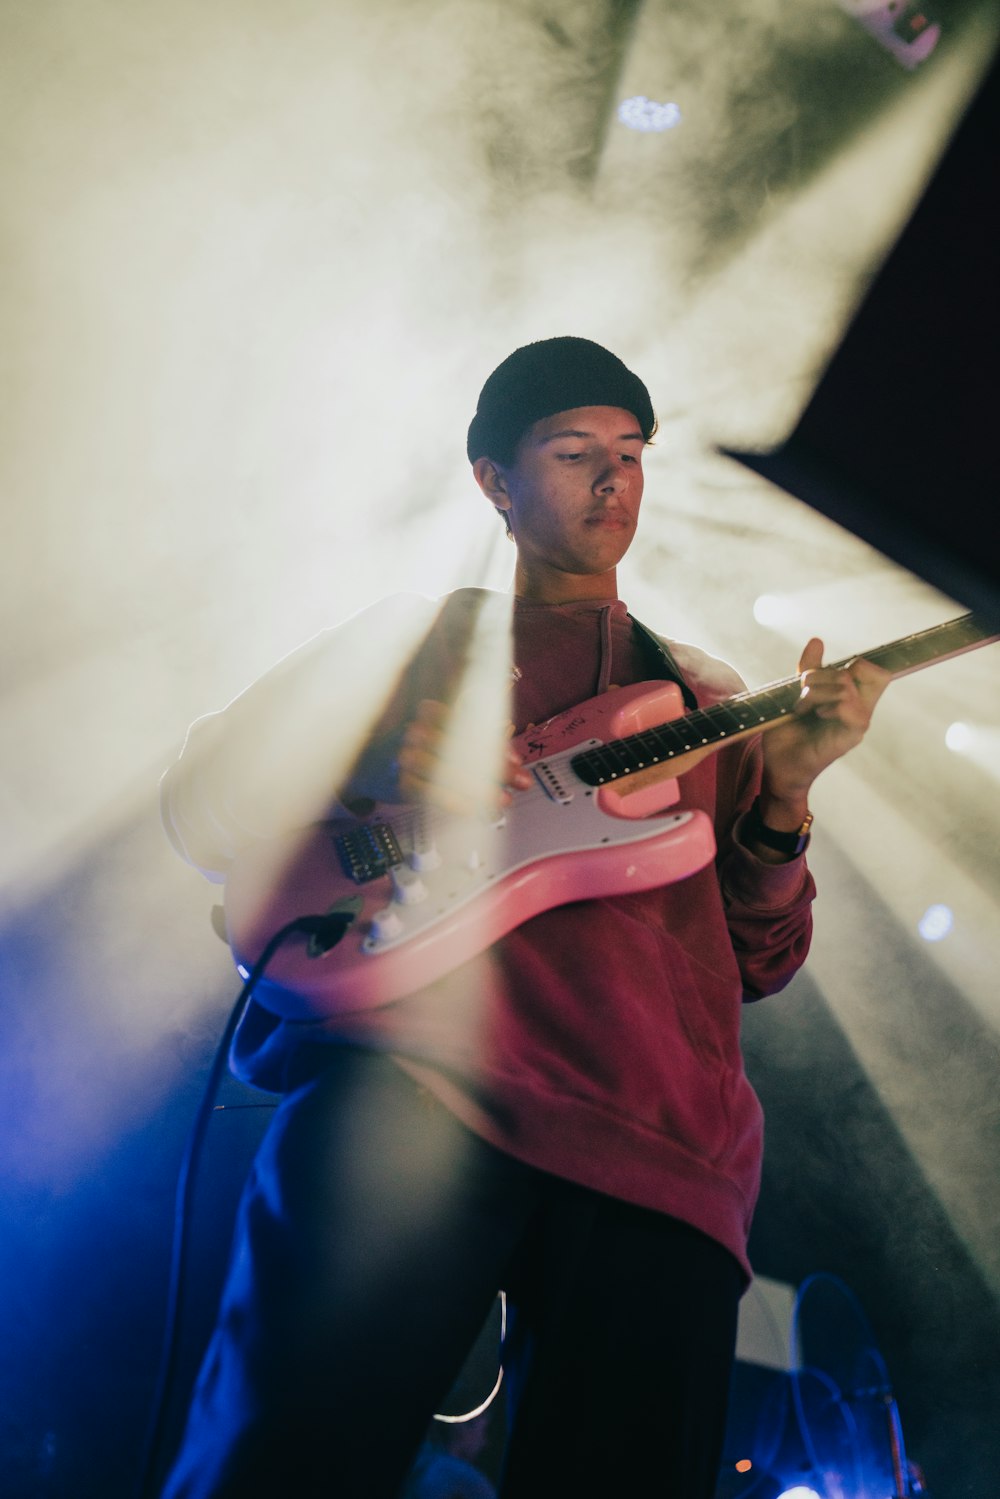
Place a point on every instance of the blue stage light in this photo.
(935, 923)
(640, 113)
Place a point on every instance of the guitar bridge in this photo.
(368, 852)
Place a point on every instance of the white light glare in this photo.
(935, 923)
(959, 738)
(799, 1493)
(640, 113)
(773, 610)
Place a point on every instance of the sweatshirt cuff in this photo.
(752, 882)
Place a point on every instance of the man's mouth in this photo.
(608, 521)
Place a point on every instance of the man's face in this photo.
(572, 497)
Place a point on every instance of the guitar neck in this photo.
(706, 729)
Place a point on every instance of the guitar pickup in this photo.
(368, 852)
(552, 777)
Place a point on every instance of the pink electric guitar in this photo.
(413, 893)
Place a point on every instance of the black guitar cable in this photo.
(328, 929)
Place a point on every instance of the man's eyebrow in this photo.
(575, 432)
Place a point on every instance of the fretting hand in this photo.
(830, 718)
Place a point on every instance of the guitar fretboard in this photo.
(748, 712)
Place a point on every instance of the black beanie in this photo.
(555, 374)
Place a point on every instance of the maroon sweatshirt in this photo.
(599, 1040)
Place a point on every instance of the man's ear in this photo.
(490, 478)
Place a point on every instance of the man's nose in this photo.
(612, 478)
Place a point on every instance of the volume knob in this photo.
(385, 925)
(407, 886)
(425, 858)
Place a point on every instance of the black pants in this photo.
(373, 1236)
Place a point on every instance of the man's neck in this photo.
(549, 586)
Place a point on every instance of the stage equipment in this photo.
(827, 1423)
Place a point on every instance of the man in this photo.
(566, 1116)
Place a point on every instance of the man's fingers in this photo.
(847, 693)
(830, 717)
(426, 771)
(416, 761)
(870, 680)
(516, 772)
(812, 655)
(430, 714)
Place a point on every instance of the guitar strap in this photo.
(661, 661)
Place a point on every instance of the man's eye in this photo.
(570, 457)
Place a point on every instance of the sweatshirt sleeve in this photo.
(768, 906)
(278, 756)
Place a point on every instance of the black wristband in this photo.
(756, 830)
